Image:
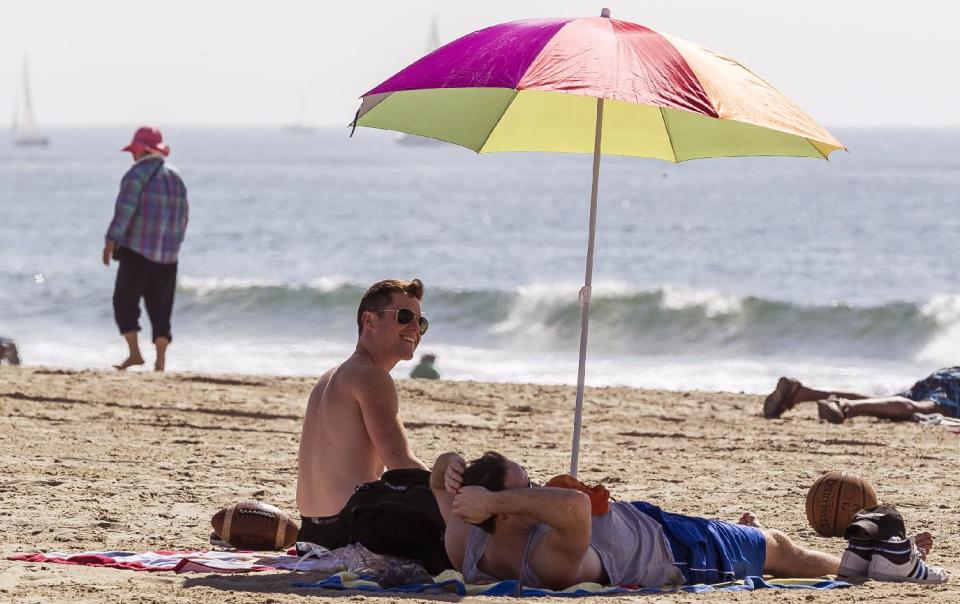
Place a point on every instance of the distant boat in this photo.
(433, 38)
(298, 129)
(300, 126)
(24, 129)
(412, 140)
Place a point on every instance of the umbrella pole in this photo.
(585, 294)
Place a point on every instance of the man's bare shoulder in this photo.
(355, 379)
(362, 378)
(321, 386)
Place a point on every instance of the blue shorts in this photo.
(942, 387)
(710, 551)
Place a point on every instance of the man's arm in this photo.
(445, 480)
(565, 510)
(126, 205)
(379, 404)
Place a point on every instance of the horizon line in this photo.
(327, 126)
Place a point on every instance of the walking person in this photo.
(148, 226)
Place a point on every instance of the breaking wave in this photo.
(662, 321)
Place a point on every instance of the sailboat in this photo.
(24, 129)
(433, 43)
(300, 126)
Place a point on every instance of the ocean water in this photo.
(715, 274)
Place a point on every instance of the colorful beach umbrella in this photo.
(591, 85)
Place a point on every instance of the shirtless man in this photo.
(497, 527)
(352, 430)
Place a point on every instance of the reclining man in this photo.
(498, 527)
(939, 392)
(352, 429)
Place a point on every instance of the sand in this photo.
(138, 461)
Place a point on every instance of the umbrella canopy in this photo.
(592, 84)
(532, 85)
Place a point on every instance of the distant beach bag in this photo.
(398, 516)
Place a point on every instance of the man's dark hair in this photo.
(378, 296)
(489, 472)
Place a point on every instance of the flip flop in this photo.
(831, 410)
(781, 399)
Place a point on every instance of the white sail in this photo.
(300, 125)
(433, 40)
(433, 43)
(25, 130)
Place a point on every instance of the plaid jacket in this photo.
(150, 217)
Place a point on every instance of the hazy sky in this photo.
(242, 62)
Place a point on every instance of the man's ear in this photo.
(367, 318)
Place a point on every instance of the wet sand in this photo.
(137, 461)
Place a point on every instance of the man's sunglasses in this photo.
(405, 315)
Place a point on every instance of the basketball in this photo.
(834, 498)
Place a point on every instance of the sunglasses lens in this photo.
(405, 315)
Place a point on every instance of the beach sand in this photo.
(137, 461)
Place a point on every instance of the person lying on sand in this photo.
(500, 527)
(352, 429)
(8, 351)
(937, 393)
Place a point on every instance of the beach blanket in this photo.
(938, 419)
(178, 562)
(353, 558)
(451, 582)
(374, 567)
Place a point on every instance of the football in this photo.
(255, 525)
(834, 498)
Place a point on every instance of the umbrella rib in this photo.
(497, 121)
(817, 149)
(666, 127)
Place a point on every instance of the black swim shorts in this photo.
(327, 531)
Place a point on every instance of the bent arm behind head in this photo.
(566, 511)
(445, 480)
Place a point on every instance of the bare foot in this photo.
(833, 410)
(781, 399)
(129, 362)
(924, 542)
(159, 364)
(749, 519)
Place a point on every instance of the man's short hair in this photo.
(489, 472)
(378, 296)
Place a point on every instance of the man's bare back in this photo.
(336, 453)
(352, 429)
